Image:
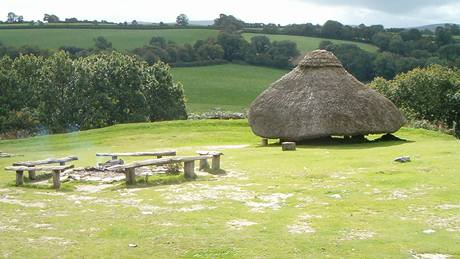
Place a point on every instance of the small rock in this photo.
(132, 245)
(336, 196)
(402, 159)
(429, 231)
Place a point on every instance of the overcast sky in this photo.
(391, 13)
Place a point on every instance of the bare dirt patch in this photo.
(271, 201)
(357, 234)
(302, 225)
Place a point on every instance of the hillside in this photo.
(431, 27)
(129, 39)
(83, 38)
(230, 87)
(306, 44)
(268, 203)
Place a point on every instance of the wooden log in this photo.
(38, 168)
(264, 142)
(154, 153)
(56, 179)
(46, 161)
(130, 176)
(204, 165)
(189, 170)
(19, 178)
(216, 162)
(288, 146)
(32, 175)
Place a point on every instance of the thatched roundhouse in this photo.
(319, 98)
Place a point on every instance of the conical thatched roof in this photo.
(319, 98)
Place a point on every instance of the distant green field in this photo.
(230, 87)
(309, 43)
(83, 38)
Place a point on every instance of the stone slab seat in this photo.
(189, 166)
(60, 161)
(158, 154)
(55, 169)
(215, 159)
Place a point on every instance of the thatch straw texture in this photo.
(319, 98)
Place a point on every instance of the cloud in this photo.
(387, 6)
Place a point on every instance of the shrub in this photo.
(59, 94)
(431, 93)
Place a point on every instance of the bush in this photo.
(59, 94)
(431, 93)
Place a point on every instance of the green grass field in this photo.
(306, 44)
(330, 200)
(83, 38)
(130, 39)
(230, 87)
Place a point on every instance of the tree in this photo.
(101, 43)
(384, 65)
(332, 29)
(412, 34)
(182, 20)
(382, 40)
(12, 18)
(270, 28)
(134, 22)
(234, 45)
(228, 23)
(158, 41)
(324, 44)
(51, 18)
(443, 36)
(354, 59)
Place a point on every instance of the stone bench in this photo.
(158, 154)
(215, 165)
(55, 169)
(32, 164)
(189, 166)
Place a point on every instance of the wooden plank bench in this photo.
(55, 169)
(189, 166)
(215, 165)
(32, 176)
(158, 154)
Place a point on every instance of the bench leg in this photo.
(189, 170)
(215, 162)
(130, 176)
(32, 175)
(19, 178)
(56, 179)
(204, 164)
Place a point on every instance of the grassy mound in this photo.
(336, 200)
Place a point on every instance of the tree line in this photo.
(61, 94)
